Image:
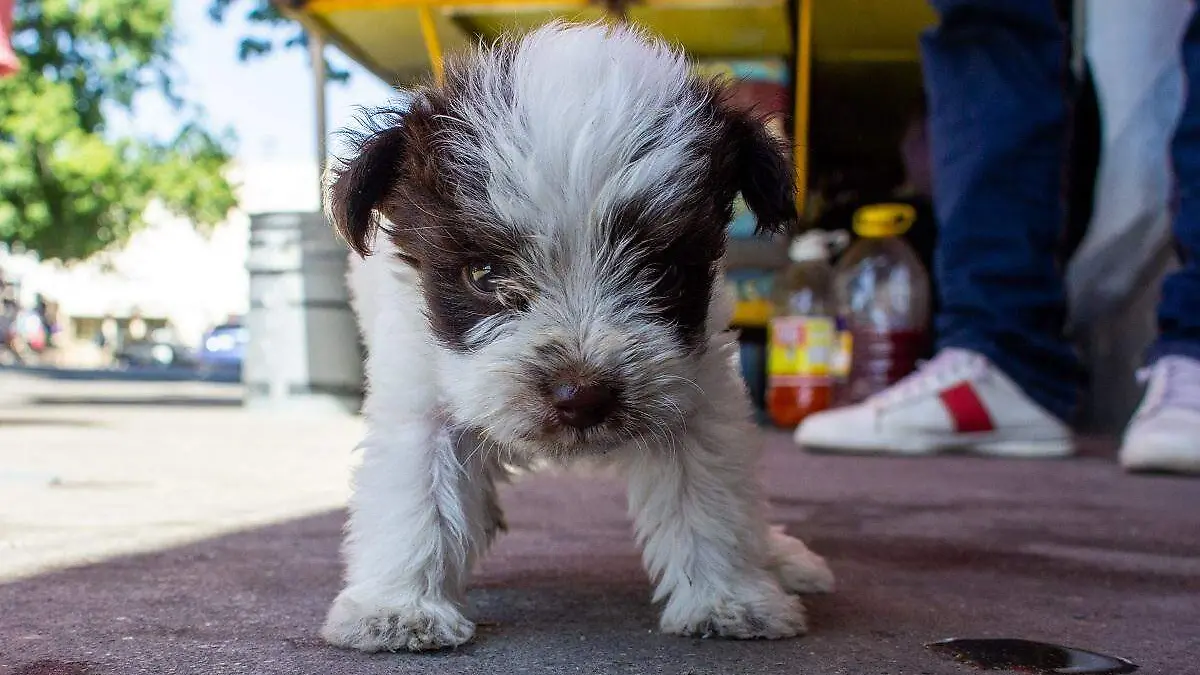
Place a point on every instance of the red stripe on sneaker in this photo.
(966, 409)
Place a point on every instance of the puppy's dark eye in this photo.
(484, 277)
(668, 278)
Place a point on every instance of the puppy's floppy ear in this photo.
(357, 186)
(764, 175)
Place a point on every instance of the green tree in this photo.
(67, 188)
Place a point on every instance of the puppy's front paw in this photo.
(799, 569)
(422, 626)
(760, 610)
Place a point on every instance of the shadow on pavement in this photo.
(152, 401)
(164, 374)
(46, 422)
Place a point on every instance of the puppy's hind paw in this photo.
(423, 626)
(798, 569)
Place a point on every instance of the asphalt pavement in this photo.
(155, 527)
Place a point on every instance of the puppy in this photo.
(547, 286)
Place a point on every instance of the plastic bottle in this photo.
(882, 292)
(801, 332)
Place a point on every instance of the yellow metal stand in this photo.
(433, 45)
(803, 79)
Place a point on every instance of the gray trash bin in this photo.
(304, 351)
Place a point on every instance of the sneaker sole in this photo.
(1051, 448)
(1160, 463)
(1043, 449)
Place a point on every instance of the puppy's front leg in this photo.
(699, 520)
(417, 520)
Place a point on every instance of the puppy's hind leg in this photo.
(419, 518)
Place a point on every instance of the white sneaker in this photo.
(956, 401)
(1164, 434)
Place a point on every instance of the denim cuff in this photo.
(1161, 348)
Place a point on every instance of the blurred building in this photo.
(170, 274)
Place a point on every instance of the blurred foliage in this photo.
(67, 188)
(268, 23)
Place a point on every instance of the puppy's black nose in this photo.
(582, 404)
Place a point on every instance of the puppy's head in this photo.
(565, 199)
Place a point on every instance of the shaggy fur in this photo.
(547, 286)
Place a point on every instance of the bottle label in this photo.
(800, 350)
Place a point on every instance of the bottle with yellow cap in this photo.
(882, 295)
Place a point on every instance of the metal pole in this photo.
(803, 89)
(433, 44)
(316, 52)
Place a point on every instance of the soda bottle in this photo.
(882, 292)
(801, 332)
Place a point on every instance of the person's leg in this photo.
(1165, 432)
(1005, 377)
(1179, 310)
(996, 75)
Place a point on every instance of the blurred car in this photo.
(223, 349)
(160, 349)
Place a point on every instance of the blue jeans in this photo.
(997, 82)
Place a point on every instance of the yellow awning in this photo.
(387, 36)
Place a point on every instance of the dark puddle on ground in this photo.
(1029, 657)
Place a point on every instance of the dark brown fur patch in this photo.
(679, 250)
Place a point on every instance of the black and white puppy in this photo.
(548, 287)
